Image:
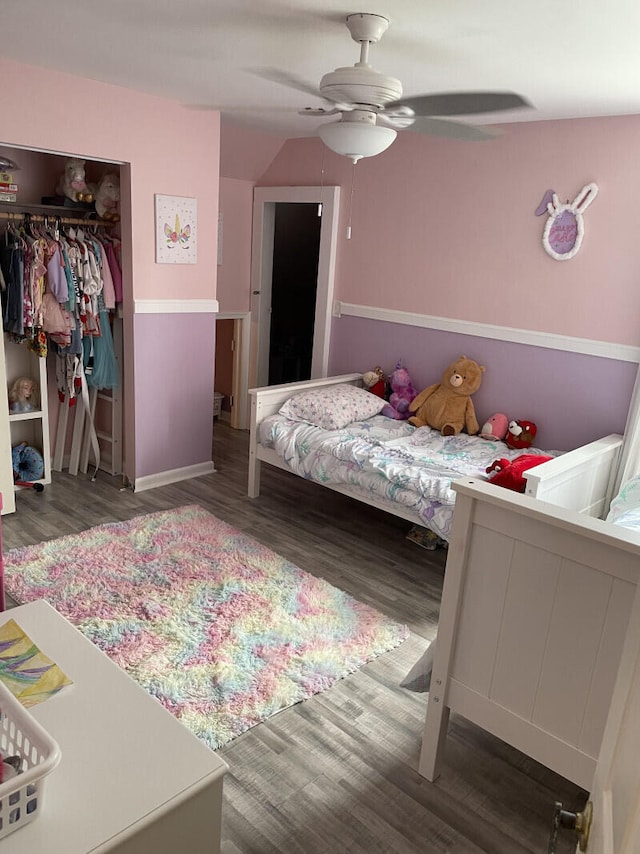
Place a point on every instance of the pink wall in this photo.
(234, 274)
(245, 154)
(171, 150)
(447, 228)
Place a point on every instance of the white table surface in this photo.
(124, 757)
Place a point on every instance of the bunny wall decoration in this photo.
(564, 229)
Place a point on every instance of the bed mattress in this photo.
(390, 461)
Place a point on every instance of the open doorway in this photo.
(266, 211)
(296, 243)
(231, 369)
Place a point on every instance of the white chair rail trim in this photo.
(586, 346)
(176, 306)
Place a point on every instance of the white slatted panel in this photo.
(483, 595)
(573, 641)
(604, 676)
(523, 633)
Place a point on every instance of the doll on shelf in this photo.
(23, 395)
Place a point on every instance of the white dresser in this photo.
(132, 779)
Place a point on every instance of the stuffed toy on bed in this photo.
(375, 382)
(495, 427)
(402, 393)
(447, 406)
(510, 473)
(520, 434)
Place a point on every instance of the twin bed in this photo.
(537, 589)
(397, 468)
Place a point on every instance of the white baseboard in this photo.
(164, 478)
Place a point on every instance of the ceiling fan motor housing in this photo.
(359, 85)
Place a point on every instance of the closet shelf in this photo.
(25, 416)
(17, 211)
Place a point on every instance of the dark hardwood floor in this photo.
(337, 773)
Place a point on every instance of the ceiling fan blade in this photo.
(452, 130)
(318, 111)
(284, 78)
(233, 109)
(460, 103)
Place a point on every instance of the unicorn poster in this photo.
(176, 230)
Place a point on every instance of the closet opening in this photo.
(66, 325)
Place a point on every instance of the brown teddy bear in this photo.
(447, 406)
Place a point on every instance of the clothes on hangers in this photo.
(59, 286)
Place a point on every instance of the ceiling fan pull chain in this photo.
(321, 181)
(353, 181)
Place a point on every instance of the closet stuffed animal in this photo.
(447, 406)
(72, 182)
(107, 197)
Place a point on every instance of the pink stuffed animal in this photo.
(107, 197)
(496, 427)
(402, 393)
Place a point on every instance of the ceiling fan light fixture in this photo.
(356, 140)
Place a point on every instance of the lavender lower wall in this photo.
(174, 368)
(572, 398)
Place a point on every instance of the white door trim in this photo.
(264, 201)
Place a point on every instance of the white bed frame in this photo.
(581, 479)
(536, 599)
(535, 605)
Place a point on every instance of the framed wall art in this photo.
(564, 228)
(176, 230)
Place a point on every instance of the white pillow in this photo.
(332, 408)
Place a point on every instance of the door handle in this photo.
(579, 822)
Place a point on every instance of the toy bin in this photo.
(21, 796)
(217, 404)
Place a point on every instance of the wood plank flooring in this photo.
(337, 773)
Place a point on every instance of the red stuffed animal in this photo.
(509, 473)
(375, 382)
(520, 434)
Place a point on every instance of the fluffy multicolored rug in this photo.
(223, 631)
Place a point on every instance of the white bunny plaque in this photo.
(564, 229)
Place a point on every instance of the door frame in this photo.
(240, 370)
(265, 200)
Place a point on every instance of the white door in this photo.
(616, 785)
(264, 202)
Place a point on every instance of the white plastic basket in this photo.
(217, 403)
(21, 735)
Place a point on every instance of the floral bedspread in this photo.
(625, 507)
(391, 461)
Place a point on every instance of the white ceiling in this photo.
(570, 59)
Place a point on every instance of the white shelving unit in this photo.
(30, 427)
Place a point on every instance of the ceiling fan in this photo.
(371, 106)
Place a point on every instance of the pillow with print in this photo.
(332, 408)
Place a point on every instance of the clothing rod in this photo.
(63, 220)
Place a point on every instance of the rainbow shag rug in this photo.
(221, 630)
